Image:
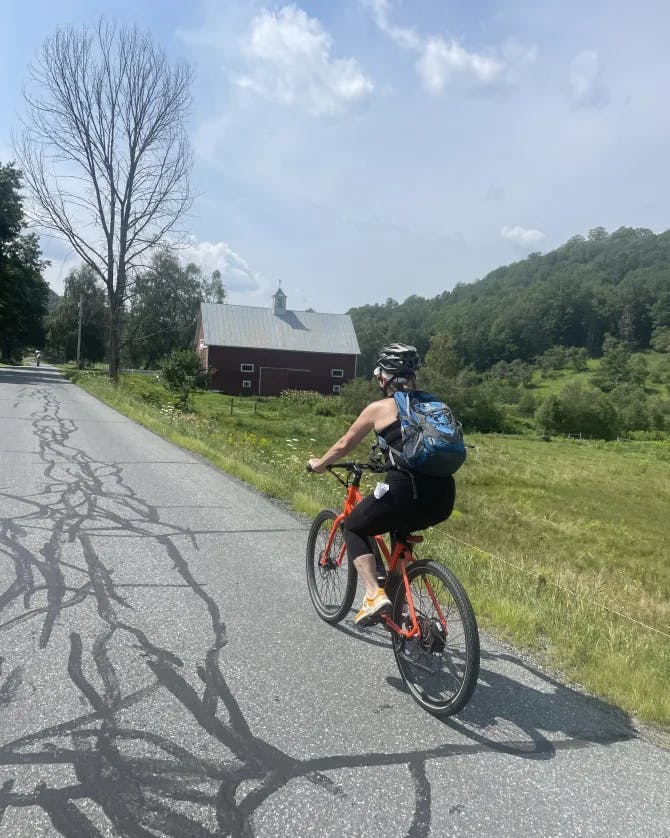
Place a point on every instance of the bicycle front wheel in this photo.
(440, 665)
(331, 577)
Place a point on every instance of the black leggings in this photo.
(399, 511)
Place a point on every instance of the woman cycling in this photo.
(412, 502)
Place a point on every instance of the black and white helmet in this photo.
(397, 360)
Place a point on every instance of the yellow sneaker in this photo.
(373, 608)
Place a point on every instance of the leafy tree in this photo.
(521, 372)
(577, 357)
(527, 405)
(164, 308)
(62, 324)
(631, 404)
(551, 361)
(182, 374)
(659, 413)
(23, 291)
(660, 340)
(11, 208)
(213, 290)
(442, 357)
(639, 370)
(105, 151)
(615, 365)
(478, 409)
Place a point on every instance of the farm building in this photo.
(262, 351)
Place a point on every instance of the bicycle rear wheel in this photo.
(331, 584)
(441, 665)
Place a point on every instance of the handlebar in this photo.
(352, 467)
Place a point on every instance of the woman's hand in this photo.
(314, 464)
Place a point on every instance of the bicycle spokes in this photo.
(331, 577)
(439, 667)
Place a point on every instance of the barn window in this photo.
(336, 388)
(337, 373)
(246, 367)
(246, 384)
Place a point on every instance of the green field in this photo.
(563, 545)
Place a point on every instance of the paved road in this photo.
(162, 672)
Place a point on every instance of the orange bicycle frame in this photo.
(402, 553)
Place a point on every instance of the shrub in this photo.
(148, 388)
(526, 405)
(181, 373)
(631, 404)
(478, 409)
(300, 398)
(578, 409)
(328, 406)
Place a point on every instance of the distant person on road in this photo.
(406, 502)
(38, 355)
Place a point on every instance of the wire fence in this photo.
(661, 437)
(555, 585)
(245, 406)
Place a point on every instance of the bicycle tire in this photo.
(440, 671)
(331, 588)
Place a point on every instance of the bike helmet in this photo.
(397, 360)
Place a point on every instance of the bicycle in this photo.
(433, 626)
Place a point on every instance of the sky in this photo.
(365, 149)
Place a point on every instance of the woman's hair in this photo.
(398, 385)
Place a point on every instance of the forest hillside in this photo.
(574, 341)
(616, 284)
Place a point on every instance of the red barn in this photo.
(262, 351)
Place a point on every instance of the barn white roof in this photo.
(262, 328)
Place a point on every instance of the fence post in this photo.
(232, 400)
(255, 406)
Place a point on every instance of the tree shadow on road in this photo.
(31, 376)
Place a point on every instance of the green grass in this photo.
(551, 539)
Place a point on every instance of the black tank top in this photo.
(392, 433)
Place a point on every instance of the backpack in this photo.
(432, 440)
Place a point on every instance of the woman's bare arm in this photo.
(356, 433)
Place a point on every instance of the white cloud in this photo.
(294, 66)
(239, 280)
(401, 35)
(237, 276)
(443, 63)
(522, 235)
(587, 84)
(446, 62)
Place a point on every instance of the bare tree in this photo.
(104, 151)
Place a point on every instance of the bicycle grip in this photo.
(309, 469)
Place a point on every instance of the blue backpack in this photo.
(432, 440)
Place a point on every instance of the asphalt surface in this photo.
(162, 671)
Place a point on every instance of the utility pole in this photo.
(81, 306)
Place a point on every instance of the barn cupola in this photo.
(279, 301)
